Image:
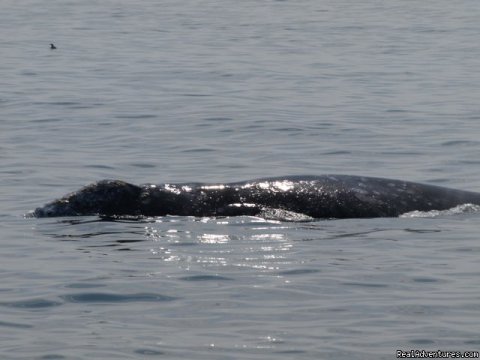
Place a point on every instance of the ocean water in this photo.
(210, 90)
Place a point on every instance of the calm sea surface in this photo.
(178, 91)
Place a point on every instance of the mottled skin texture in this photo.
(328, 196)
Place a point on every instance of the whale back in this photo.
(379, 197)
(347, 196)
(328, 196)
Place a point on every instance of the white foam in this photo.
(460, 209)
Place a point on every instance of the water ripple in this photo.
(299, 272)
(15, 325)
(37, 303)
(148, 352)
(205, 278)
(115, 298)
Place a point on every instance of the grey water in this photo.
(209, 90)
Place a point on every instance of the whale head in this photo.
(106, 197)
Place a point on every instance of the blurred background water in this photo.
(169, 91)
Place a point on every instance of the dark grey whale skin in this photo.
(327, 196)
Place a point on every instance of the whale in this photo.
(288, 197)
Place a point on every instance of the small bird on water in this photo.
(52, 47)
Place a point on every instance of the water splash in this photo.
(457, 210)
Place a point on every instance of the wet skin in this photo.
(328, 196)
